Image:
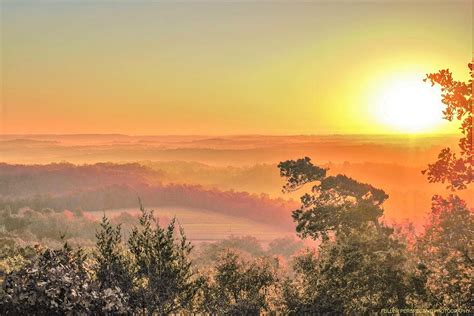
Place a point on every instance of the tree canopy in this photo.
(335, 202)
(455, 169)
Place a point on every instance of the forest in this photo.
(348, 258)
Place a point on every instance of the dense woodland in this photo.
(360, 264)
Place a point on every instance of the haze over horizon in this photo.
(228, 68)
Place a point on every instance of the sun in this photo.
(406, 104)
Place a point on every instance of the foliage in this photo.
(152, 275)
(165, 279)
(335, 203)
(207, 253)
(300, 172)
(364, 267)
(446, 250)
(361, 271)
(285, 246)
(113, 269)
(58, 282)
(446, 247)
(46, 226)
(14, 257)
(455, 169)
(238, 287)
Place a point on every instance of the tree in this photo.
(361, 271)
(238, 287)
(446, 250)
(335, 203)
(13, 257)
(456, 169)
(59, 282)
(166, 282)
(153, 275)
(286, 246)
(113, 269)
(361, 266)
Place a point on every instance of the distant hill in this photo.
(223, 150)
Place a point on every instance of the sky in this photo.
(229, 67)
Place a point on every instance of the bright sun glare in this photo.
(406, 104)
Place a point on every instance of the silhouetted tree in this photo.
(238, 287)
(166, 281)
(455, 169)
(361, 271)
(446, 250)
(113, 269)
(446, 247)
(361, 267)
(335, 202)
(153, 275)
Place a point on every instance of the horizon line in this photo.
(227, 135)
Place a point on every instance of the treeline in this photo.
(260, 208)
(114, 186)
(360, 266)
(48, 228)
(62, 178)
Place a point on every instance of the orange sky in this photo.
(222, 68)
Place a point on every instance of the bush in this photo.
(59, 282)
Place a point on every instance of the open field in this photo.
(208, 226)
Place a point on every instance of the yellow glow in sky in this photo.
(408, 105)
(137, 67)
